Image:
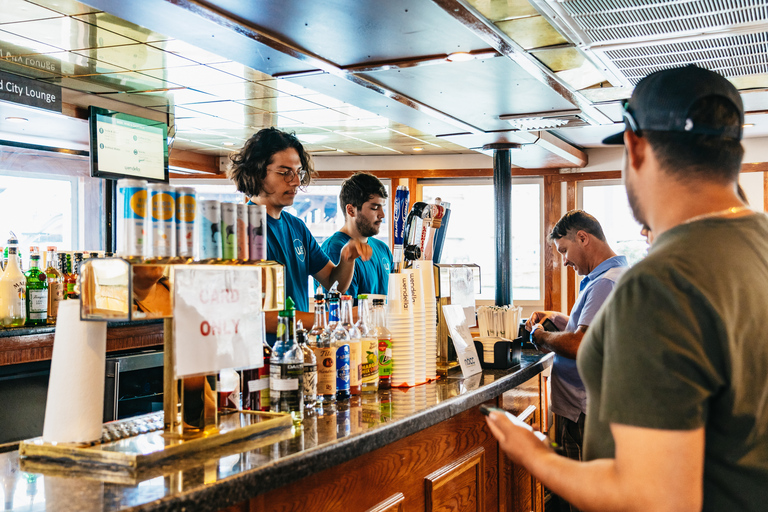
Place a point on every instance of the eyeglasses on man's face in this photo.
(288, 176)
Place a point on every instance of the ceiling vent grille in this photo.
(613, 21)
(738, 55)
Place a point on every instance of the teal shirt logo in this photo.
(299, 247)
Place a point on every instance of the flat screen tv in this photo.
(127, 146)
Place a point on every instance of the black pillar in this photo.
(502, 199)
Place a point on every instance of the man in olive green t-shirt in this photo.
(676, 363)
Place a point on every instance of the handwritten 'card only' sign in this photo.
(217, 321)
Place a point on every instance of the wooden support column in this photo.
(570, 204)
(552, 213)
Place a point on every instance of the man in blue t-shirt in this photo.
(579, 238)
(269, 169)
(363, 199)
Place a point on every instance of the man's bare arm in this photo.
(564, 343)
(658, 470)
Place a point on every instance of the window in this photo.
(470, 237)
(318, 206)
(61, 207)
(607, 201)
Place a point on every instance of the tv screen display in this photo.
(127, 146)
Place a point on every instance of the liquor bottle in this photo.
(3, 257)
(370, 346)
(286, 370)
(339, 339)
(77, 261)
(310, 368)
(320, 340)
(12, 290)
(62, 266)
(55, 288)
(256, 380)
(355, 347)
(33, 249)
(385, 344)
(36, 292)
(70, 278)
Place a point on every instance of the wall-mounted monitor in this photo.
(127, 146)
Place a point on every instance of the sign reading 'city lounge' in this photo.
(30, 92)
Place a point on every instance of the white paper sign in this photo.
(462, 339)
(217, 321)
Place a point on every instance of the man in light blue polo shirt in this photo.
(363, 199)
(579, 238)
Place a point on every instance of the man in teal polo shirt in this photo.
(270, 169)
(363, 199)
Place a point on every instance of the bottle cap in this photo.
(346, 297)
(362, 296)
(50, 248)
(290, 309)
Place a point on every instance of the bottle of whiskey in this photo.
(12, 291)
(55, 288)
(286, 370)
(355, 347)
(36, 292)
(320, 341)
(339, 339)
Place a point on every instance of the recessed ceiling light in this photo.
(748, 125)
(227, 143)
(459, 57)
(417, 148)
(16, 119)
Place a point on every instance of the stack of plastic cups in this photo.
(400, 324)
(419, 329)
(425, 269)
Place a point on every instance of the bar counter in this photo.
(337, 443)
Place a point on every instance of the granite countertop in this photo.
(213, 481)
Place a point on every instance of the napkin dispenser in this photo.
(498, 353)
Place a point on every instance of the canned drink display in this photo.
(257, 232)
(210, 226)
(161, 231)
(242, 231)
(131, 217)
(186, 208)
(229, 231)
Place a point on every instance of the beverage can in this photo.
(210, 225)
(161, 234)
(242, 231)
(257, 232)
(131, 217)
(186, 209)
(229, 231)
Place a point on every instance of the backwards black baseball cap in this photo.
(662, 102)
